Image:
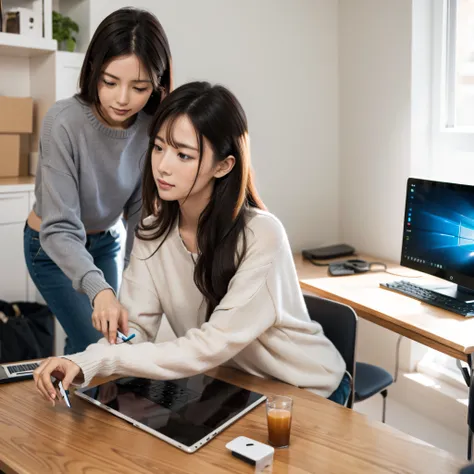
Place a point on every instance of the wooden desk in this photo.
(434, 327)
(37, 438)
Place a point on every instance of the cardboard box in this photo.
(16, 114)
(13, 155)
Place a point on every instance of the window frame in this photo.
(445, 135)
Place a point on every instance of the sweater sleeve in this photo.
(144, 319)
(246, 311)
(139, 296)
(62, 234)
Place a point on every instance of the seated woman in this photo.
(213, 260)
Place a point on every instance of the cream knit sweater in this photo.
(261, 326)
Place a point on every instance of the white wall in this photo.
(422, 94)
(280, 59)
(19, 69)
(375, 85)
(374, 132)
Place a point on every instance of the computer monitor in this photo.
(438, 235)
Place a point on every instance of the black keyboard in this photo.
(431, 297)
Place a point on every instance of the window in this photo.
(459, 64)
(465, 235)
(453, 78)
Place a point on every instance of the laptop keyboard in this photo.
(16, 369)
(165, 393)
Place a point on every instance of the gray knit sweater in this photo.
(88, 175)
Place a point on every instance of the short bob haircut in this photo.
(124, 32)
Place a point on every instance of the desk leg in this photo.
(397, 358)
(468, 375)
(470, 409)
(469, 444)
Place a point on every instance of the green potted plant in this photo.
(63, 29)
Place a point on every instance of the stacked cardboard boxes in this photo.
(16, 123)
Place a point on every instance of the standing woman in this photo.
(92, 151)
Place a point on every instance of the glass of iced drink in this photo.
(279, 412)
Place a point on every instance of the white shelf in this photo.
(26, 46)
(19, 184)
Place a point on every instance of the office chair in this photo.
(339, 323)
(370, 380)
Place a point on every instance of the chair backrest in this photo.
(339, 323)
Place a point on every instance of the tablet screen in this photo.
(185, 410)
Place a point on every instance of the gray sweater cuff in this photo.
(93, 283)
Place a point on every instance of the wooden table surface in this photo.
(434, 327)
(326, 438)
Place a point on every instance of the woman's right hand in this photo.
(109, 315)
(59, 368)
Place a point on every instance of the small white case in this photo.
(252, 452)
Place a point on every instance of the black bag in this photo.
(26, 331)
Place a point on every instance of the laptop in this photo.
(186, 413)
(17, 371)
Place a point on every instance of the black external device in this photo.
(332, 251)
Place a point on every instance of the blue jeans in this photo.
(341, 394)
(73, 309)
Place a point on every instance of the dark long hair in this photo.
(216, 115)
(123, 32)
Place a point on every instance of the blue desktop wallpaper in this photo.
(439, 226)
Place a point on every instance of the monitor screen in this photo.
(438, 236)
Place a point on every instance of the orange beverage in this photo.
(279, 427)
(279, 413)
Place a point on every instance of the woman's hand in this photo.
(59, 368)
(109, 315)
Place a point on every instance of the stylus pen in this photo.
(124, 337)
(64, 394)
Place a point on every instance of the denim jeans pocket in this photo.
(35, 250)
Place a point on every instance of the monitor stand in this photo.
(458, 292)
